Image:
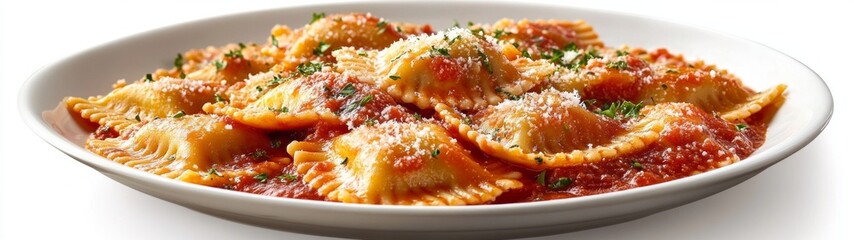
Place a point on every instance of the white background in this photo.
(45, 194)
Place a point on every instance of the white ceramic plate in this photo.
(91, 72)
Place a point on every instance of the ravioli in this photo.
(453, 67)
(144, 101)
(552, 129)
(540, 37)
(398, 163)
(296, 102)
(170, 146)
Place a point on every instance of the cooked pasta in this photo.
(355, 108)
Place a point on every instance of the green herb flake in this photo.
(148, 78)
(453, 40)
(539, 160)
(741, 127)
(179, 61)
(182, 75)
(621, 65)
(241, 45)
(362, 53)
(259, 154)
(560, 183)
(625, 109)
(621, 53)
(541, 178)
(381, 26)
(213, 172)
(317, 16)
(220, 65)
(276, 143)
(435, 153)
(137, 118)
(274, 41)
(499, 33)
(394, 77)
(397, 28)
(348, 90)
(485, 61)
(467, 120)
(365, 100)
(371, 122)
(218, 98)
(346, 159)
(321, 48)
(439, 51)
(287, 177)
(398, 56)
(179, 114)
(309, 68)
(234, 53)
(417, 116)
(637, 165)
(672, 71)
(526, 54)
(262, 177)
(513, 146)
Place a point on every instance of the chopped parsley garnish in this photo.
(287, 177)
(561, 183)
(439, 51)
(137, 118)
(507, 94)
(637, 165)
(219, 98)
(621, 65)
(262, 177)
(179, 114)
(220, 65)
(453, 40)
(541, 178)
(500, 32)
(485, 61)
(435, 153)
(182, 75)
(348, 90)
(398, 56)
(365, 100)
(234, 53)
(397, 28)
(309, 68)
(394, 77)
(321, 48)
(362, 53)
(526, 54)
(317, 16)
(467, 120)
(148, 78)
(625, 109)
(276, 143)
(740, 127)
(259, 88)
(241, 45)
(259, 154)
(456, 23)
(513, 146)
(276, 80)
(213, 171)
(539, 160)
(621, 53)
(284, 109)
(346, 159)
(382, 26)
(672, 71)
(371, 122)
(417, 116)
(274, 41)
(179, 61)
